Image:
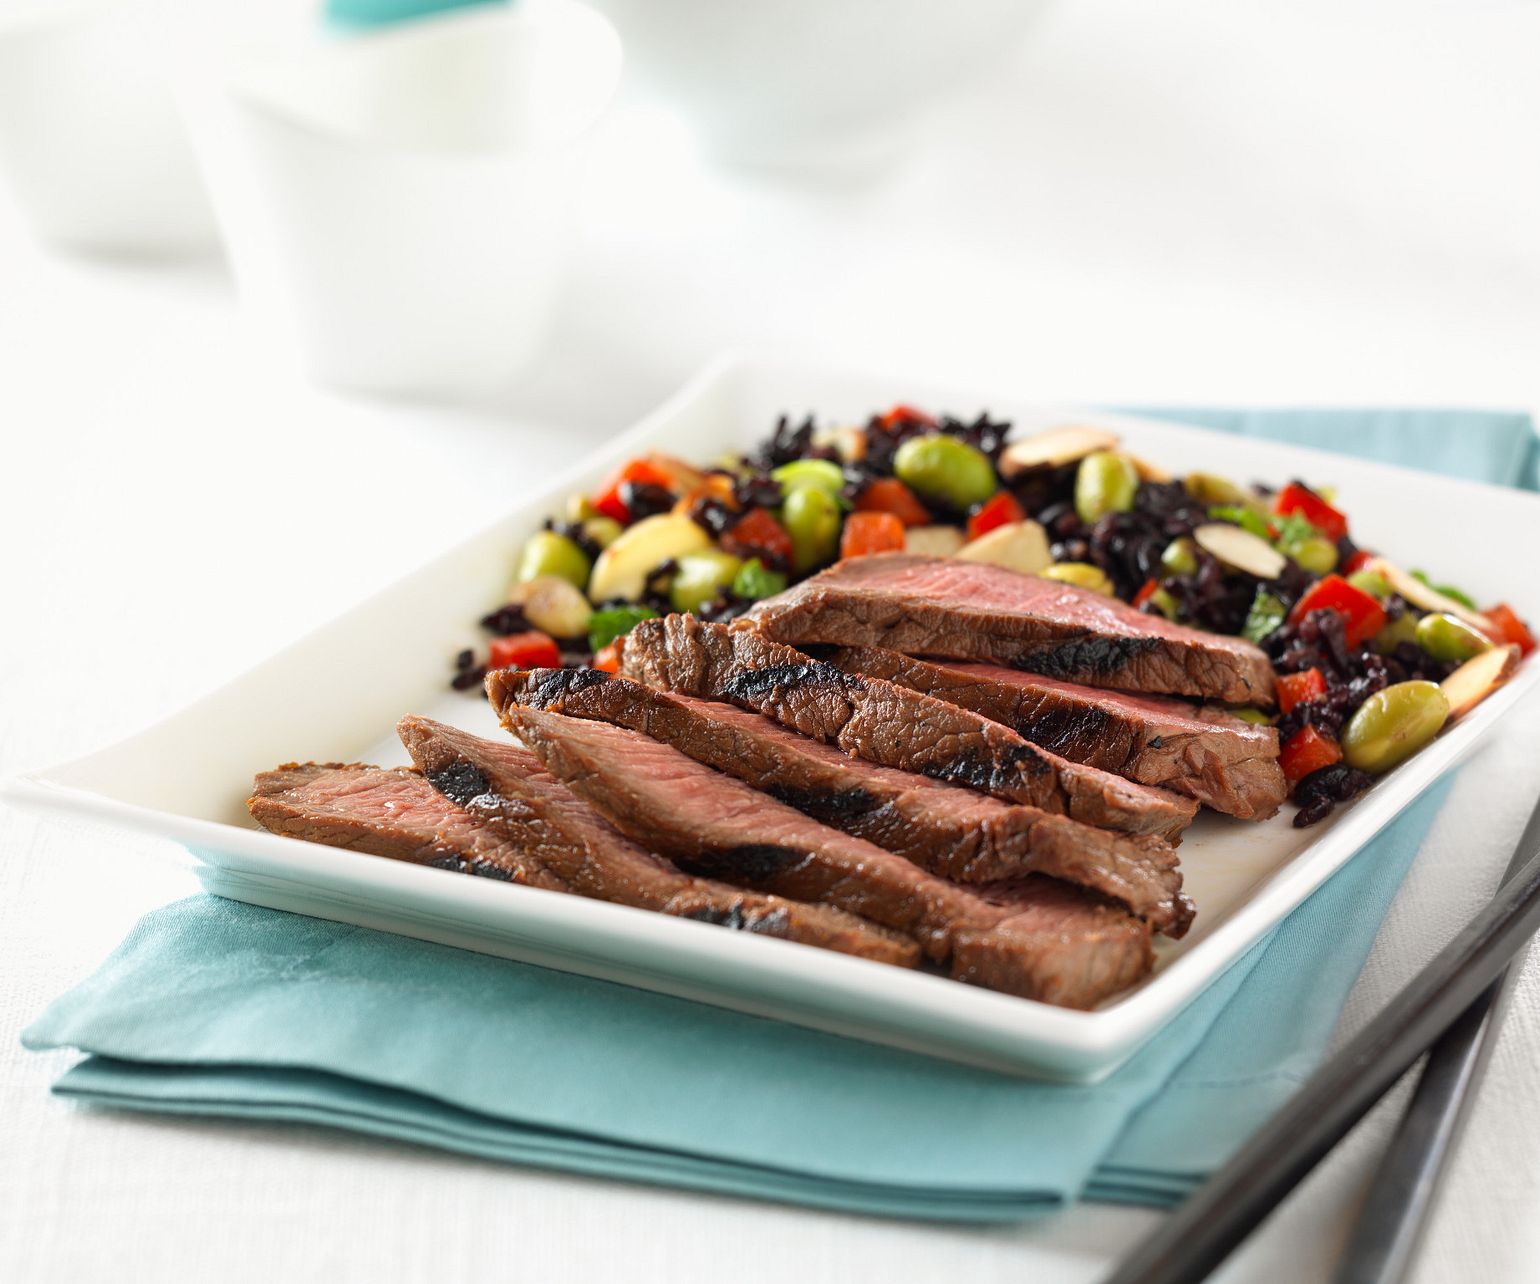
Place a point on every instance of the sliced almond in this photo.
(849, 440)
(933, 541)
(1017, 546)
(1054, 447)
(1478, 677)
(1149, 472)
(1423, 597)
(1240, 549)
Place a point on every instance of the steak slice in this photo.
(507, 790)
(391, 812)
(951, 831)
(889, 725)
(970, 611)
(1206, 753)
(1034, 937)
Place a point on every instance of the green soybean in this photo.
(1316, 555)
(547, 553)
(1180, 557)
(812, 518)
(603, 530)
(1401, 629)
(1082, 575)
(1449, 638)
(755, 580)
(940, 467)
(1393, 724)
(822, 473)
(1106, 482)
(1254, 716)
(1370, 582)
(701, 578)
(1163, 602)
(1209, 488)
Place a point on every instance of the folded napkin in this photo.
(219, 1008)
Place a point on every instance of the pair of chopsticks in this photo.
(1455, 1002)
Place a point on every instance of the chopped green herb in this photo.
(1294, 530)
(613, 622)
(755, 580)
(1238, 515)
(1266, 614)
(1448, 590)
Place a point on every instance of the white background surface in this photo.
(1176, 203)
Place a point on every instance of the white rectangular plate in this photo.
(335, 695)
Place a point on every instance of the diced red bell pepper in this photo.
(1001, 510)
(1147, 590)
(1357, 562)
(758, 534)
(1362, 615)
(532, 650)
(640, 471)
(902, 414)
(1510, 628)
(889, 495)
(1305, 751)
(607, 659)
(1295, 498)
(1299, 688)
(871, 533)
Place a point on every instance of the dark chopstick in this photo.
(1209, 1225)
(1394, 1215)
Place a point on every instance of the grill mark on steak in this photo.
(521, 802)
(1202, 752)
(972, 611)
(753, 863)
(1089, 657)
(459, 782)
(889, 725)
(1035, 937)
(390, 812)
(946, 829)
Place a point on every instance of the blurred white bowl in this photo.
(91, 143)
(395, 203)
(818, 83)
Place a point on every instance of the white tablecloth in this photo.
(1186, 202)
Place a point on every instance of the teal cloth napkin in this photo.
(360, 14)
(217, 1008)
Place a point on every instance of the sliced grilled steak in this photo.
(394, 812)
(889, 725)
(391, 812)
(1206, 753)
(951, 831)
(507, 791)
(969, 611)
(1034, 937)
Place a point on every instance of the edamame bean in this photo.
(1370, 582)
(1393, 724)
(1316, 555)
(940, 467)
(1449, 638)
(701, 577)
(1106, 482)
(823, 473)
(812, 518)
(603, 530)
(1254, 716)
(1401, 629)
(1163, 602)
(1082, 575)
(547, 553)
(1180, 557)
(1209, 489)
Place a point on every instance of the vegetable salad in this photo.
(1373, 660)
